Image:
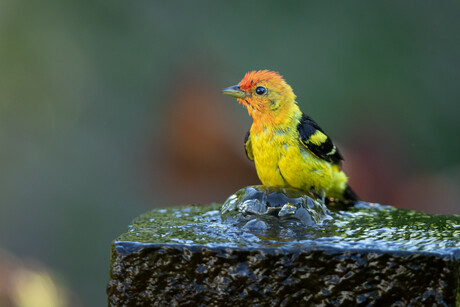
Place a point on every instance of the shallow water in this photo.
(369, 227)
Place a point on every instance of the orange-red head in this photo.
(265, 94)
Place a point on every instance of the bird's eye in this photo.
(260, 90)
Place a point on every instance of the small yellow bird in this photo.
(288, 148)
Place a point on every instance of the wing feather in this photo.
(248, 146)
(317, 141)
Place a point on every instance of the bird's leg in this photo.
(321, 194)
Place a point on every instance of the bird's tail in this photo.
(341, 191)
(349, 195)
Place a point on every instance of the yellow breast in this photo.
(268, 149)
(282, 161)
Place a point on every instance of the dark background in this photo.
(109, 109)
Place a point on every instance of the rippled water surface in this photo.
(379, 227)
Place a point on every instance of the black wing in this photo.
(248, 146)
(314, 138)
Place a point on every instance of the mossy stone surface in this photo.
(368, 255)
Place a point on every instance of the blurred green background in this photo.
(104, 111)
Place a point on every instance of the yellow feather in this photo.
(281, 160)
(279, 156)
(318, 138)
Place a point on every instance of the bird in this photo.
(288, 147)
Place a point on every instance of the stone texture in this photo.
(369, 255)
(180, 275)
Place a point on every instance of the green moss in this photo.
(366, 227)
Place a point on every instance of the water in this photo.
(366, 226)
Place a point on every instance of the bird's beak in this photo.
(234, 91)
